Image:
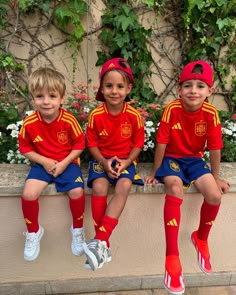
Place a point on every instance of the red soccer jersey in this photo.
(53, 140)
(115, 135)
(188, 133)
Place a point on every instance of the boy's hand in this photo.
(57, 168)
(107, 165)
(223, 185)
(121, 164)
(49, 165)
(150, 179)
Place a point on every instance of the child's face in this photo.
(48, 103)
(115, 88)
(193, 94)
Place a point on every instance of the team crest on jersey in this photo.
(62, 137)
(98, 168)
(174, 166)
(200, 128)
(126, 130)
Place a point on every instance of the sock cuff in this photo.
(75, 200)
(174, 199)
(32, 201)
(111, 220)
(98, 198)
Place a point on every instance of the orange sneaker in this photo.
(174, 280)
(203, 254)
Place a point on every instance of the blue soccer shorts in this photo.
(96, 170)
(188, 169)
(71, 178)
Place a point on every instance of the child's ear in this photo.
(211, 90)
(63, 99)
(178, 89)
(130, 86)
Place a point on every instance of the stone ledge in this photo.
(13, 176)
(112, 284)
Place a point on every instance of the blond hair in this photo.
(47, 78)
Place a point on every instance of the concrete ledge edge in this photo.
(77, 286)
(13, 176)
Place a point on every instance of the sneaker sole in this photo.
(173, 292)
(76, 253)
(199, 264)
(87, 265)
(92, 259)
(35, 256)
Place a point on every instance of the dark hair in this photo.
(198, 69)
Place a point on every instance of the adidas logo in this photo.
(210, 222)
(125, 172)
(104, 132)
(81, 217)
(172, 222)
(177, 126)
(37, 139)
(27, 221)
(79, 179)
(102, 228)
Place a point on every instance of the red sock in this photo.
(106, 228)
(77, 207)
(208, 215)
(172, 220)
(30, 211)
(98, 206)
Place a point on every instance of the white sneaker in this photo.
(97, 254)
(32, 244)
(77, 241)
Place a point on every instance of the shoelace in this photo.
(94, 245)
(78, 237)
(31, 239)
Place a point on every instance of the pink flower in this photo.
(154, 106)
(233, 117)
(76, 105)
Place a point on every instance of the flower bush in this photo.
(228, 121)
(10, 124)
(80, 103)
(9, 128)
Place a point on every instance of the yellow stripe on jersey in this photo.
(60, 115)
(99, 110)
(167, 111)
(28, 120)
(70, 119)
(133, 111)
(212, 110)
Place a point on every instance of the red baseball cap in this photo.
(206, 76)
(117, 63)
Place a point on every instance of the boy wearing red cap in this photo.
(115, 137)
(188, 125)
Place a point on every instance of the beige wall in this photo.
(42, 48)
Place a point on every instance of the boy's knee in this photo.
(214, 199)
(29, 196)
(76, 193)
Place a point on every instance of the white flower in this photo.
(148, 124)
(12, 127)
(14, 133)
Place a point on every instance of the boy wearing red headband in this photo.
(188, 125)
(115, 137)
